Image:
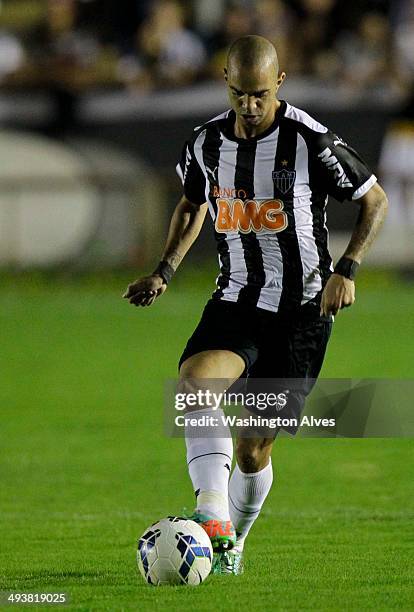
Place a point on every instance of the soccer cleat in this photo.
(228, 562)
(221, 533)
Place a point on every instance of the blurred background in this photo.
(97, 98)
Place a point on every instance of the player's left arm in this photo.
(339, 291)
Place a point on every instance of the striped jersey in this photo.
(267, 198)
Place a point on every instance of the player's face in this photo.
(252, 94)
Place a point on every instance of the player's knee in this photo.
(196, 387)
(192, 368)
(252, 456)
(187, 389)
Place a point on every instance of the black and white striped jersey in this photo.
(267, 197)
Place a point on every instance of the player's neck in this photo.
(241, 130)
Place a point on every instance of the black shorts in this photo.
(272, 344)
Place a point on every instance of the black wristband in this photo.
(165, 270)
(346, 267)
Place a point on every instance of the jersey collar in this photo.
(227, 125)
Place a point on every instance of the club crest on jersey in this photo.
(284, 179)
(234, 215)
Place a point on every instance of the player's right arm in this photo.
(185, 225)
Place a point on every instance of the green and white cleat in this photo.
(221, 533)
(228, 562)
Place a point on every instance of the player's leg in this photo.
(302, 347)
(209, 458)
(249, 484)
(252, 477)
(222, 346)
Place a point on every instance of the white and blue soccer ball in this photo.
(174, 550)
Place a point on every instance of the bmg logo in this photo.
(234, 215)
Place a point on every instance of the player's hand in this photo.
(144, 291)
(339, 293)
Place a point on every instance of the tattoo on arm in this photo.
(174, 259)
(368, 224)
(185, 225)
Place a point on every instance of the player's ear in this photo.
(281, 78)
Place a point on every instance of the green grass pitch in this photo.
(85, 467)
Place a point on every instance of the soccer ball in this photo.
(174, 550)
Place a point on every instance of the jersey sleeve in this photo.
(344, 175)
(191, 175)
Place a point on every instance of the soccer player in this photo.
(264, 169)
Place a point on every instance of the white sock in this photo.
(247, 493)
(209, 464)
